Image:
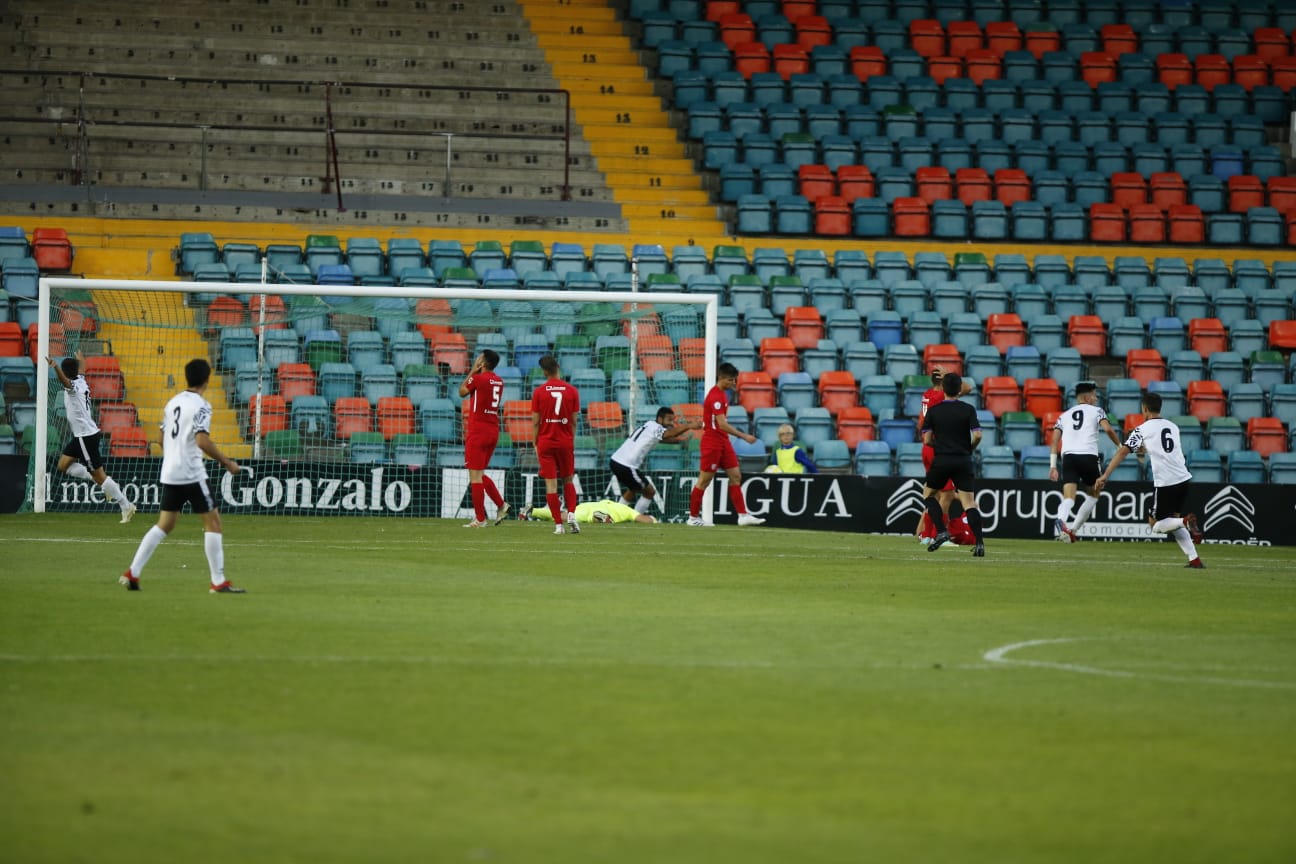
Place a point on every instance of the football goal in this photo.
(344, 398)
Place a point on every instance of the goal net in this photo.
(345, 399)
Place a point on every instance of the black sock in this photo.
(974, 522)
(934, 511)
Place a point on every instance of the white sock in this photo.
(146, 549)
(643, 505)
(1169, 525)
(1086, 510)
(1064, 509)
(1185, 543)
(114, 493)
(214, 546)
(79, 471)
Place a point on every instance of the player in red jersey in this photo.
(932, 396)
(487, 390)
(717, 450)
(554, 406)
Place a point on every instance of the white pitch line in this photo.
(1000, 656)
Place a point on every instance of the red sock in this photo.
(492, 491)
(555, 508)
(569, 497)
(479, 501)
(928, 529)
(695, 501)
(736, 496)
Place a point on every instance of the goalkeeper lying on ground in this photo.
(593, 511)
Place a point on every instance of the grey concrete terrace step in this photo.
(199, 24)
(316, 38)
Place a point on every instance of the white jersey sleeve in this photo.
(1080, 427)
(185, 416)
(1161, 439)
(76, 399)
(634, 449)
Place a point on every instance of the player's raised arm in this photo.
(58, 370)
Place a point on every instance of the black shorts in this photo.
(947, 467)
(86, 450)
(1082, 469)
(1169, 501)
(629, 478)
(196, 495)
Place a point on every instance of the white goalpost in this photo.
(180, 315)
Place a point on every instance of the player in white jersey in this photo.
(186, 436)
(1170, 476)
(1075, 434)
(627, 460)
(81, 457)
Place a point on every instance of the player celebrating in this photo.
(627, 460)
(1076, 434)
(487, 390)
(1170, 477)
(606, 511)
(81, 457)
(554, 406)
(718, 452)
(186, 436)
(952, 429)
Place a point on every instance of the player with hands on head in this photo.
(627, 460)
(487, 391)
(81, 458)
(718, 452)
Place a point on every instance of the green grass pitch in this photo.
(407, 690)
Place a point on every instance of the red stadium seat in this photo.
(1244, 192)
(276, 314)
(812, 30)
(1012, 185)
(944, 355)
(114, 416)
(274, 414)
(832, 216)
(1040, 42)
(1107, 223)
(1147, 224)
(1281, 193)
(515, 419)
(606, 417)
(1098, 67)
(1145, 365)
(1250, 71)
(964, 36)
(803, 325)
(1266, 436)
(1271, 43)
(225, 312)
(57, 341)
(51, 249)
(1174, 69)
(737, 29)
(789, 60)
(855, 181)
(973, 184)
(1088, 335)
(1283, 73)
(656, 353)
(692, 353)
(927, 37)
(1206, 400)
(912, 217)
(1000, 394)
(867, 61)
(450, 349)
(1128, 188)
(1166, 189)
(1212, 69)
(12, 343)
(717, 9)
(395, 416)
(295, 379)
(795, 9)
(104, 376)
(1282, 335)
(1187, 225)
(129, 442)
(756, 390)
(1005, 330)
(855, 425)
(942, 68)
(778, 354)
(1207, 336)
(815, 181)
(983, 64)
(1002, 37)
(933, 183)
(1119, 39)
(838, 391)
(350, 415)
(750, 58)
(1042, 396)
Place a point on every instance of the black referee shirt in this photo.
(951, 423)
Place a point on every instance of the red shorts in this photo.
(478, 450)
(929, 453)
(718, 455)
(556, 460)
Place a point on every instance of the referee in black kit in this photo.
(952, 430)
